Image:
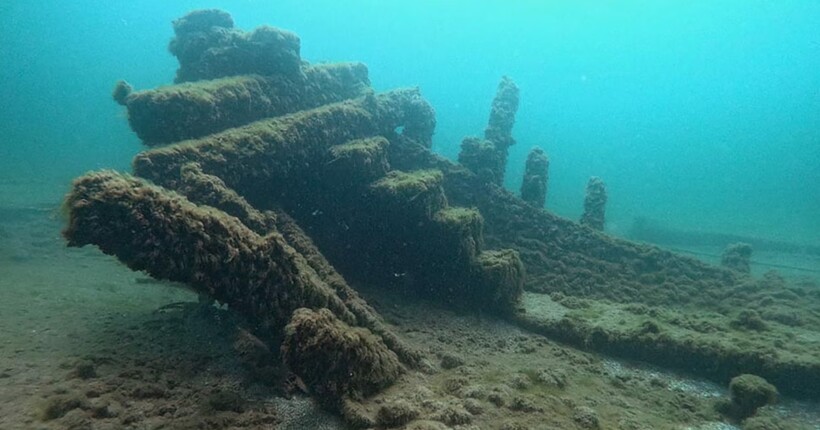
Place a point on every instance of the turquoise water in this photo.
(703, 115)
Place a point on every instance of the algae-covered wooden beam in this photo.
(594, 215)
(336, 360)
(366, 316)
(262, 154)
(488, 157)
(163, 233)
(208, 46)
(536, 178)
(700, 344)
(205, 189)
(333, 340)
(195, 109)
(561, 255)
(621, 291)
(502, 115)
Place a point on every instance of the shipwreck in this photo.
(275, 186)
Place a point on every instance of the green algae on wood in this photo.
(698, 342)
(536, 176)
(481, 157)
(358, 161)
(163, 233)
(594, 215)
(208, 46)
(608, 273)
(500, 280)
(195, 109)
(417, 194)
(337, 360)
(278, 148)
(205, 189)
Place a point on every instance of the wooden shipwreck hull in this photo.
(293, 181)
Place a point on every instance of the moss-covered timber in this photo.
(264, 155)
(600, 274)
(536, 177)
(488, 157)
(404, 229)
(190, 110)
(502, 115)
(204, 189)
(163, 233)
(482, 158)
(409, 197)
(337, 360)
(366, 316)
(594, 215)
(561, 255)
(208, 46)
(699, 343)
(357, 162)
(285, 160)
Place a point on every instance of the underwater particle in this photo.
(121, 92)
(749, 319)
(750, 392)
(536, 177)
(595, 204)
(585, 417)
(336, 359)
(396, 413)
(737, 257)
